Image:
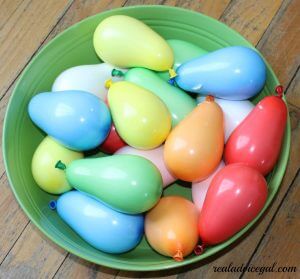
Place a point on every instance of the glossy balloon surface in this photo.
(234, 113)
(179, 103)
(235, 197)
(77, 119)
(113, 142)
(127, 183)
(141, 118)
(127, 42)
(183, 52)
(194, 147)
(43, 168)
(156, 156)
(171, 227)
(102, 227)
(232, 73)
(89, 78)
(199, 189)
(256, 142)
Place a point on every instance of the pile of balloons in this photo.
(135, 106)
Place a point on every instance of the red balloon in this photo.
(113, 142)
(256, 142)
(236, 195)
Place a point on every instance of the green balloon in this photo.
(179, 103)
(127, 183)
(183, 52)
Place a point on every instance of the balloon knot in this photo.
(171, 81)
(52, 204)
(279, 90)
(209, 98)
(117, 73)
(108, 83)
(172, 73)
(60, 165)
(178, 257)
(198, 250)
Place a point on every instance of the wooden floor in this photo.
(272, 25)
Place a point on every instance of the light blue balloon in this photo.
(77, 119)
(102, 227)
(232, 73)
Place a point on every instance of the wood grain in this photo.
(23, 27)
(293, 95)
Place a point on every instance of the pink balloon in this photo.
(156, 157)
(199, 189)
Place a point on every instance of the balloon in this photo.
(171, 227)
(194, 147)
(127, 42)
(76, 119)
(232, 73)
(44, 159)
(235, 197)
(89, 78)
(199, 189)
(177, 101)
(156, 156)
(113, 142)
(102, 227)
(256, 142)
(234, 113)
(183, 52)
(127, 183)
(141, 118)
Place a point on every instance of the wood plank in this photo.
(293, 96)
(26, 25)
(281, 245)
(33, 256)
(280, 44)
(251, 17)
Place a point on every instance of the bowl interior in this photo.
(74, 47)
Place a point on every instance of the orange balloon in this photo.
(171, 227)
(194, 148)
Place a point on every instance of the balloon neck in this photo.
(117, 73)
(178, 257)
(199, 249)
(279, 91)
(60, 165)
(52, 204)
(209, 98)
(108, 83)
(172, 76)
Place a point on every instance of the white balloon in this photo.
(156, 156)
(89, 78)
(199, 189)
(234, 113)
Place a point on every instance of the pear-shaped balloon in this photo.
(156, 156)
(127, 42)
(77, 119)
(183, 52)
(177, 101)
(234, 113)
(232, 73)
(44, 159)
(127, 183)
(171, 227)
(102, 227)
(194, 147)
(89, 78)
(141, 118)
(256, 142)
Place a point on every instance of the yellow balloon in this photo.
(141, 118)
(127, 42)
(45, 157)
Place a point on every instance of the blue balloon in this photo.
(232, 73)
(102, 227)
(77, 119)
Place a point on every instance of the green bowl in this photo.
(74, 47)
